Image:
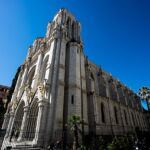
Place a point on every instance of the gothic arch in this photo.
(44, 67)
(103, 119)
(74, 31)
(31, 76)
(121, 95)
(112, 91)
(136, 118)
(91, 102)
(125, 116)
(69, 26)
(133, 119)
(92, 76)
(31, 120)
(101, 85)
(18, 119)
(116, 115)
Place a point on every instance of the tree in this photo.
(74, 122)
(144, 93)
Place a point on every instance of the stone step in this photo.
(25, 147)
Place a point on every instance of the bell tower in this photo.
(67, 69)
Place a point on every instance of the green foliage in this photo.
(144, 93)
(120, 143)
(83, 147)
(73, 121)
(102, 144)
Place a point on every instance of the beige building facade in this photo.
(56, 81)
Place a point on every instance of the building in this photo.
(56, 81)
(3, 102)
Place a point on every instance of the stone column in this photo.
(122, 129)
(109, 106)
(6, 121)
(130, 121)
(9, 128)
(38, 139)
(51, 74)
(24, 123)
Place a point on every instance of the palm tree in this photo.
(144, 93)
(74, 122)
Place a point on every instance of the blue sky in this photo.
(116, 34)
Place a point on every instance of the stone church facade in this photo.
(56, 81)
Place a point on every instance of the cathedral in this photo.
(57, 81)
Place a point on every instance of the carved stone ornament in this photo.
(29, 97)
(9, 105)
(110, 80)
(9, 108)
(99, 73)
(119, 85)
(89, 67)
(27, 89)
(15, 104)
(42, 90)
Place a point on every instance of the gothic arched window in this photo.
(125, 116)
(113, 94)
(102, 87)
(31, 77)
(102, 113)
(72, 99)
(73, 31)
(121, 95)
(44, 68)
(68, 27)
(116, 115)
(31, 121)
(18, 119)
(92, 76)
(133, 119)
